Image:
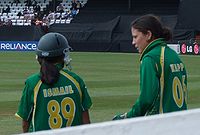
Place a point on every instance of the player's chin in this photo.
(140, 51)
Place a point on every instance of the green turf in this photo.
(112, 80)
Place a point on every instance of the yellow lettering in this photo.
(45, 92)
(55, 91)
(66, 90)
(182, 66)
(177, 67)
(58, 91)
(71, 90)
(49, 92)
(172, 67)
(62, 90)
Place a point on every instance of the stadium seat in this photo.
(57, 21)
(14, 21)
(62, 21)
(20, 22)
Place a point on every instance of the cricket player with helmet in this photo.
(55, 97)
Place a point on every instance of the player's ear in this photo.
(149, 35)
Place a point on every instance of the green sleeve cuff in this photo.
(129, 114)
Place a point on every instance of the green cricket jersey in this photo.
(57, 106)
(163, 81)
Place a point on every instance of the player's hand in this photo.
(120, 116)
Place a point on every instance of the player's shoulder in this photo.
(72, 74)
(33, 78)
(153, 54)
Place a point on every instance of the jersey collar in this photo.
(154, 43)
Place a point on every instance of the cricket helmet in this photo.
(52, 45)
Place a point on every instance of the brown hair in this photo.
(152, 23)
(49, 73)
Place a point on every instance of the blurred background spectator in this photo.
(48, 11)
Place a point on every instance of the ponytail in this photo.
(167, 34)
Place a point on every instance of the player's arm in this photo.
(149, 84)
(25, 126)
(86, 117)
(86, 103)
(149, 88)
(25, 108)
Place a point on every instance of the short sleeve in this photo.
(25, 105)
(86, 99)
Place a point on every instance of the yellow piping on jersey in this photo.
(162, 57)
(36, 89)
(17, 116)
(73, 81)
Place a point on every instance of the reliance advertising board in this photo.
(184, 47)
(18, 45)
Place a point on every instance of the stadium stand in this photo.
(97, 15)
(23, 14)
(91, 26)
(101, 11)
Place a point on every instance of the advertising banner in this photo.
(18, 45)
(191, 48)
(175, 47)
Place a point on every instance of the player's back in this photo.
(58, 105)
(175, 82)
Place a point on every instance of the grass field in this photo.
(112, 80)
